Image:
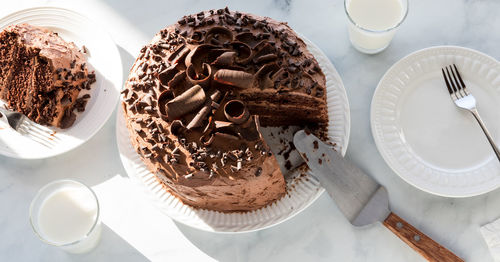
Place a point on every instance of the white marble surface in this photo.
(320, 233)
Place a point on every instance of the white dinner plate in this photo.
(302, 191)
(103, 58)
(424, 137)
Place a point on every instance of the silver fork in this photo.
(464, 99)
(26, 127)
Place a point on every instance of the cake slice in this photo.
(43, 76)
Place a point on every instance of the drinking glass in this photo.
(85, 242)
(371, 41)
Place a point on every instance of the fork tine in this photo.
(37, 133)
(32, 129)
(447, 83)
(39, 140)
(459, 77)
(462, 84)
(459, 86)
(44, 131)
(452, 83)
(23, 130)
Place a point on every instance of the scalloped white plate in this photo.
(301, 192)
(104, 59)
(424, 137)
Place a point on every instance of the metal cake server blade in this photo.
(361, 199)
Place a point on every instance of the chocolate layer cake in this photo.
(42, 76)
(197, 95)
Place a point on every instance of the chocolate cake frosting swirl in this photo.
(198, 94)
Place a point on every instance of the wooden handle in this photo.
(424, 245)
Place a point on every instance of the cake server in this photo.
(360, 198)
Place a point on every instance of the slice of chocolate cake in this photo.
(43, 76)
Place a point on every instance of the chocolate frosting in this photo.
(213, 74)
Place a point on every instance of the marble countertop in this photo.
(320, 233)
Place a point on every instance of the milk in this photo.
(374, 22)
(66, 217)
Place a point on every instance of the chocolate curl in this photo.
(203, 54)
(215, 95)
(265, 58)
(196, 37)
(202, 79)
(179, 54)
(219, 34)
(177, 128)
(247, 38)
(208, 127)
(263, 76)
(248, 129)
(207, 139)
(235, 78)
(225, 136)
(177, 80)
(236, 112)
(188, 101)
(223, 124)
(226, 59)
(263, 48)
(227, 128)
(166, 75)
(163, 99)
(243, 51)
(200, 116)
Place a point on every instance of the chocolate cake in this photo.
(197, 95)
(43, 76)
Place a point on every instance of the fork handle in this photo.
(486, 132)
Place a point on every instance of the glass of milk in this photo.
(65, 214)
(373, 23)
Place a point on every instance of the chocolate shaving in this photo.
(265, 58)
(177, 128)
(166, 75)
(236, 112)
(263, 48)
(240, 79)
(163, 99)
(203, 54)
(221, 34)
(180, 53)
(263, 76)
(203, 78)
(223, 124)
(247, 38)
(200, 116)
(177, 81)
(226, 59)
(185, 103)
(244, 52)
(207, 139)
(215, 95)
